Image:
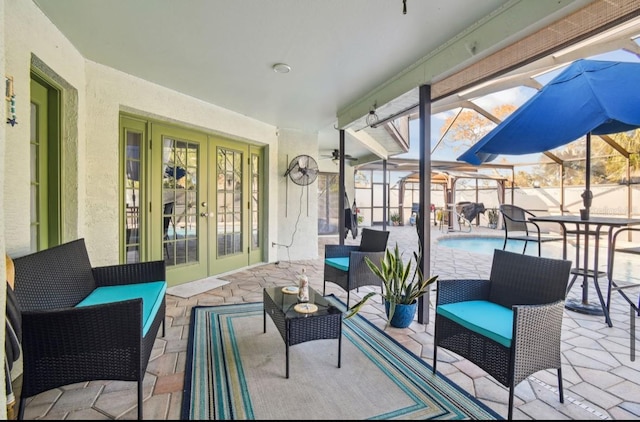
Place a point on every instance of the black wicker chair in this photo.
(508, 325)
(63, 344)
(345, 266)
(517, 226)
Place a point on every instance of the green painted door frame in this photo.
(200, 198)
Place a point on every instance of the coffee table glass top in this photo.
(287, 301)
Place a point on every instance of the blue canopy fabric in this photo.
(589, 96)
(179, 172)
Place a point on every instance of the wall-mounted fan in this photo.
(335, 156)
(303, 170)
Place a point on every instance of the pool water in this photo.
(627, 267)
(486, 245)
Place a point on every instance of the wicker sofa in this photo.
(82, 323)
(510, 324)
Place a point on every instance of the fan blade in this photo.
(335, 155)
(303, 161)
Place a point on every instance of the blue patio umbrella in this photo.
(177, 172)
(588, 97)
(133, 163)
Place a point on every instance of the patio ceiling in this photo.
(346, 56)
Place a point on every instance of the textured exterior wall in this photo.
(109, 92)
(90, 168)
(29, 33)
(3, 143)
(298, 212)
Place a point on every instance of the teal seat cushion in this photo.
(151, 294)
(341, 263)
(483, 317)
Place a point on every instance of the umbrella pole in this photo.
(586, 200)
(587, 196)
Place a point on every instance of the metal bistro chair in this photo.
(345, 266)
(623, 287)
(517, 226)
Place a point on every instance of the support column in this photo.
(341, 192)
(422, 222)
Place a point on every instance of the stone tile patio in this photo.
(600, 380)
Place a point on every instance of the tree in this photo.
(464, 129)
(615, 167)
(573, 157)
(607, 164)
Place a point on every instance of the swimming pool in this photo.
(626, 267)
(486, 245)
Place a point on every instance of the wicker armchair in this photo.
(65, 339)
(517, 226)
(345, 266)
(508, 325)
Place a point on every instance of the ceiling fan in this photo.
(335, 156)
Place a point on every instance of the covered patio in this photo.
(208, 87)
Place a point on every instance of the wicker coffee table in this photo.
(299, 326)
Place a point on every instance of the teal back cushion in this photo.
(151, 294)
(487, 318)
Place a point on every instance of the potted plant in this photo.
(401, 287)
(395, 219)
(493, 218)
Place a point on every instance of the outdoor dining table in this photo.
(586, 228)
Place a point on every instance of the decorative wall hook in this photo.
(12, 111)
(10, 96)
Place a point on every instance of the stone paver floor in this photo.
(600, 380)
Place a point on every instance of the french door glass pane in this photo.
(328, 203)
(179, 198)
(255, 201)
(229, 187)
(132, 196)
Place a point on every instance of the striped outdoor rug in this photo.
(235, 371)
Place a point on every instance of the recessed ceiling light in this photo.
(281, 68)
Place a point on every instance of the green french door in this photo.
(45, 161)
(181, 216)
(237, 192)
(256, 204)
(194, 200)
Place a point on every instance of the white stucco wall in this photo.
(3, 143)
(110, 91)
(102, 93)
(28, 31)
(298, 212)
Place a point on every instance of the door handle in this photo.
(204, 214)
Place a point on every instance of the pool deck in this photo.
(600, 380)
